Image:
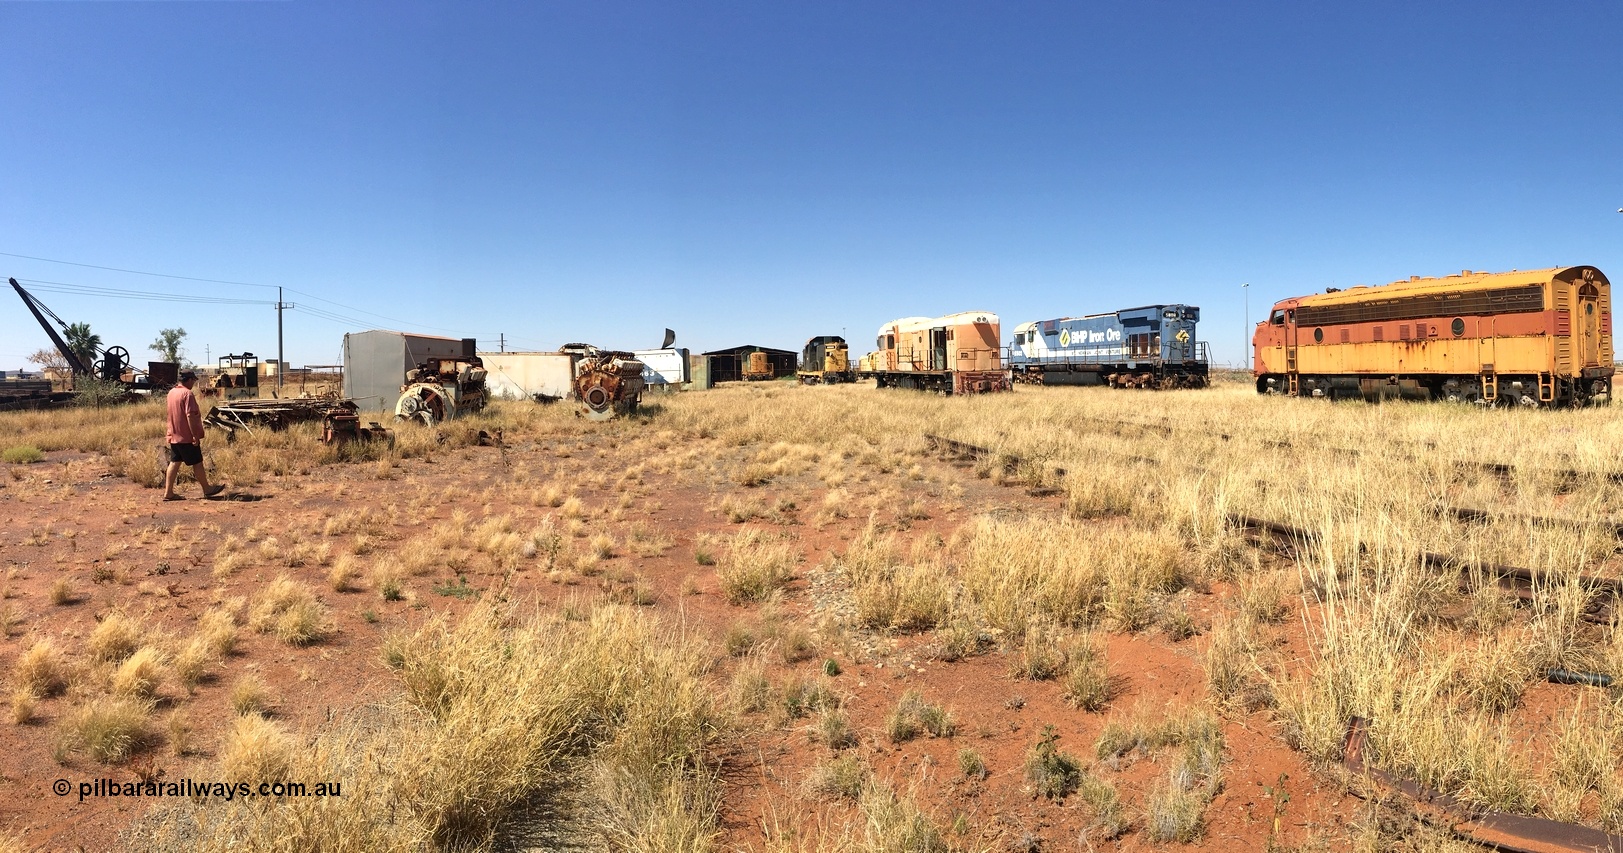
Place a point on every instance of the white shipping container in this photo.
(523, 375)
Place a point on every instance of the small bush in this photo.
(139, 675)
(256, 750)
(914, 716)
(62, 592)
(1052, 773)
(1174, 813)
(751, 691)
(22, 454)
(843, 777)
(341, 577)
(739, 640)
(1087, 681)
(834, 730)
(1109, 819)
(1040, 657)
(22, 706)
(971, 765)
(40, 670)
(191, 665)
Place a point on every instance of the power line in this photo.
(135, 272)
(238, 283)
(118, 293)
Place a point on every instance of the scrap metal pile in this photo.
(442, 389)
(340, 419)
(607, 382)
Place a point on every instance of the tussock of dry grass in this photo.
(755, 565)
(40, 670)
(501, 709)
(289, 609)
(108, 729)
(139, 675)
(256, 750)
(116, 638)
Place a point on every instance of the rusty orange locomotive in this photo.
(1533, 338)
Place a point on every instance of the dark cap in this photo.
(188, 375)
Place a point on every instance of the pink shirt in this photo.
(185, 418)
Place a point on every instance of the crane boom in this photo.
(75, 363)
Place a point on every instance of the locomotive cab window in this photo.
(1019, 338)
(1278, 318)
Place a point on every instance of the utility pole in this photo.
(1245, 344)
(208, 356)
(281, 362)
(502, 337)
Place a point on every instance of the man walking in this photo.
(185, 438)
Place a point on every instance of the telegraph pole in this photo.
(502, 337)
(1245, 343)
(281, 361)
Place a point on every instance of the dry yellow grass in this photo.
(498, 712)
(139, 675)
(289, 609)
(40, 670)
(116, 638)
(107, 729)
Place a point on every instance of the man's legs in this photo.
(169, 476)
(200, 475)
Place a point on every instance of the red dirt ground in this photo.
(66, 518)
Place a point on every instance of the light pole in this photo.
(1245, 342)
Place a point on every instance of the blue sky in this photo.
(764, 172)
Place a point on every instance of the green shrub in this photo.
(22, 454)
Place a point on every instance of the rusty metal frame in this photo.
(1500, 830)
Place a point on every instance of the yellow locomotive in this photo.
(825, 359)
(1534, 338)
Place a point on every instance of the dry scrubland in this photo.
(776, 618)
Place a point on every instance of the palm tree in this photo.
(83, 343)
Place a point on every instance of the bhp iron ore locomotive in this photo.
(1534, 338)
(1149, 347)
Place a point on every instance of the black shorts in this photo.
(186, 454)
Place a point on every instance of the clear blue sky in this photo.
(763, 172)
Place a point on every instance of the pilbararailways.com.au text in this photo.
(197, 790)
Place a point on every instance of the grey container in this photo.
(375, 363)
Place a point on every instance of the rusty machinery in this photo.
(340, 419)
(607, 382)
(111, 364)
(443, 389)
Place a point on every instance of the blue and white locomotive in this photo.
(1149, 347)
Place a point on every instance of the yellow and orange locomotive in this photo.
(1535, 338)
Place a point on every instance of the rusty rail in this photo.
(965, 450)
(1518, 581)
(1501, 830)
